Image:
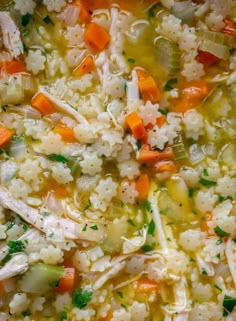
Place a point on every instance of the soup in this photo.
(118, 160)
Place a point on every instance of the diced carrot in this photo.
(168, 167)
(145, 285)
(205, 226)
(207, 58)
(147, 155)
(142, 186)
(86, 66)
(161, 121)
(148, 87)
(96, 36)
(67, 282)
(13, 67)
(183, 105)
(5, 135)
(84, 13)
(135, 123)
(66, 133)
(230, 27)
(42, 104)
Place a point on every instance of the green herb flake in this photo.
(94, 227)
(89, 204)
(206, 182)
(62, 316)
(217, 287)
(25, 227)
(25, 32)
(4, 107)
(152, 10)
(170, 83)
(218, 242)
(81, 297)
(17, 139)
(84, 229)
(26, 313)
(25, 19)
(131, 60)
(131, 222)
(148, 205)
(219, 232)
(121, 295)
(123, 305)
(169, 223)
(14, 247)
(46, 213)
(229, 303)
(234, 240)
(168, 239)
(58, 158)
(9, 224)
(54, 284)
(191, 192)
(122, 204)
(51, 235)
(218, 255)
(192, 260)
(147, 248)
(138, 144)
(205, 172)
(48, 21)
(204, 272)
(151, 228)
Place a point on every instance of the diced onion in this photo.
(196, 154)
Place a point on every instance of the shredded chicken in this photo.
(70, 229)
(64, 107)
(17, 265)
(10, 35)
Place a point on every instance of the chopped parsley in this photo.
(25, 32)
(123, 305)
(131, 222)
(206, 182)
(138, 144)
(14, 247)
(151, 228)
(87, 206)
(217, 287)
(218, 242)
(229, 303)
(218, 255)
(147, 248)
(81, 297)
(170, 83)
(63, 316)
(26, 313)
(48, 21)
(94, 227)
(204, 272)
(121, 295)
(131, 60)
(25, 19)
(4, 107)
(152, 10)
(84, 229)
(192, 260)
(58, 158)
(17, 139)
(219, 232)
(46, 213)
(54, 284)
(205, 172)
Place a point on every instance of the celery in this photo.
(40, 278)
(218, 37)
(219, 50)
(168, 55)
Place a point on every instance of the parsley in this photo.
(138, 144)
(54, 284)
(9, 225)
(206, 182)
(125, 86)
(4, 107)
(205, 172)
(152, 10)
(45, 213)
(80, 298)
(168, 239)
(169, 223)
(131, 222)
(148, 205)
(94, 227)
(170, 83)
(219, 232)
(84, 229)
(121, 295)
(63, 316)
(25, 19)
(151, 228)
(228, 304)
(51, 235)
(163, 111)
(131, 60)
(234, 240)
(192, 260)
(14, 247)
(25, 33)
(218, 242)
(222, 198)
(87, 206)
(204, 272)
(217, 287)
(191, 192)
(58, 158)
(147, 248)
(122, 204)
(26, 313)
(123, 305)
(17, 139)
(48, 21)
(218, 255)
(25, 226)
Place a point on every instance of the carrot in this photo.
(145, 285)
(136, 125)
(148, 87)
(85, 67)
(230, 27)
(161, 121)
(147, 155)
(67, 282)
(13, 67)
(168, 167)
(42, 104)
(96, 36)
(5, 135)
(206, 58)
(84, 13)
(205, 226)
(142, 186)
(66, 133)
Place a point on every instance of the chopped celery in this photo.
(179, 148)
(227, 154)
(227, 127)
(40, 278)
(168, 55)
(217, 49)
(218, 37)
(74, 165)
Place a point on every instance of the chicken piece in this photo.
(17, 265)
(10, 35)
(88, 231)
